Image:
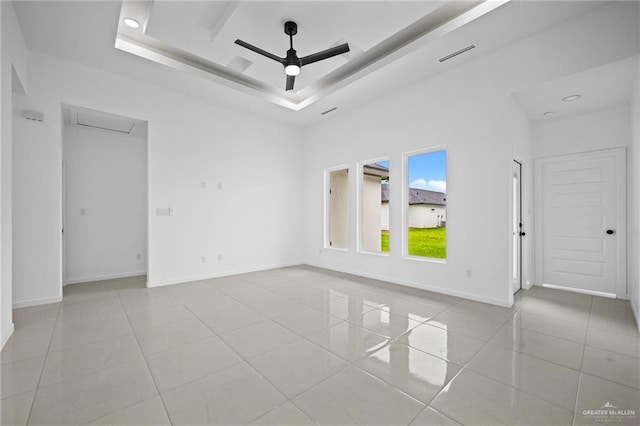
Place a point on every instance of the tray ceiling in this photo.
(198, 38)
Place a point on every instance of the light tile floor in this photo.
(301, 346)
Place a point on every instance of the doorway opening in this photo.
(104, 196)
(517, 227)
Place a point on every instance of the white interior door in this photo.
(582, 221)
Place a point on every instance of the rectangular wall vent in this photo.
(459, 52)
(328, 111)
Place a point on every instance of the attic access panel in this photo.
(198, 37)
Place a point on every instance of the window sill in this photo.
(425, 259)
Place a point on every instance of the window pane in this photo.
(427, 205)
(375, 207)
(339, 208)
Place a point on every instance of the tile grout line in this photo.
(44, 362)
(243, 359)
(302, 337)
(145, 363)
(575, 406)
(584, 350)
(466, 366)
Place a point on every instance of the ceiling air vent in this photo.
(459, 52)
(328, 111)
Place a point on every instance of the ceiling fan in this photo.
(291, 62)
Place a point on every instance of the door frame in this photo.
(620, 155)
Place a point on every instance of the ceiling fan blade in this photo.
(290, 80)
(260, 51)
(325, 54)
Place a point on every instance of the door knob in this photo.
(522, 234)
(610, 232)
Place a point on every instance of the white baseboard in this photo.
(105, 277)
(7, 335)
(577, 290)
(161, 283)
(36, 302)
(420, 286)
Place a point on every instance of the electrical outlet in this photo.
(219, 258)
(203, 184)
(138, 256)
(220, 185)
(467, 272)
(203, 259)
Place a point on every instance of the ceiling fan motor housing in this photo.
(292, 58)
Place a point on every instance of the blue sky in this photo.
(428, 171)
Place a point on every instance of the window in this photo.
(426, 208)
(338, 208)
(374, 219)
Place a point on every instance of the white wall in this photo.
(13, 73)
(36, 206)
(106, 204)
(191, 141)
(470, 110)
(608, 128)
(256, 162)
(633, 188)
(419, 117)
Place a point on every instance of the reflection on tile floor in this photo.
(302, 346)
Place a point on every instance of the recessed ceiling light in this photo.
(571, 98)
(130, 22)
(549, 113)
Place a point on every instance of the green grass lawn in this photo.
(426, 242)
(385, 241)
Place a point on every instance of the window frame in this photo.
(405, 201)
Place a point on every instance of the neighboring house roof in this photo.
(375, 169)
(419, 196)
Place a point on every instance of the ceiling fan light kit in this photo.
(292, 63)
